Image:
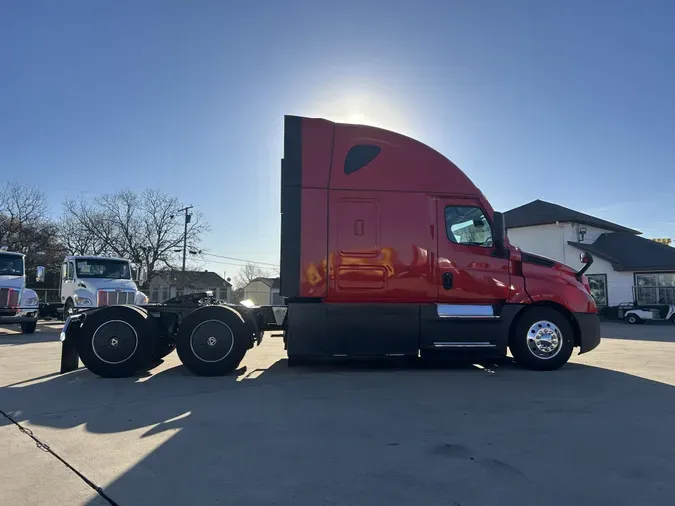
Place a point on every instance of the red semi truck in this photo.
(387, 249)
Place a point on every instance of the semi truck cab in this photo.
(89, 281)
(18, 304)
(388, 248)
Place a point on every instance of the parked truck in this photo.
(387, 250)
(89, 282)
(18, 304)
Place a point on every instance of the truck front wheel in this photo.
(68, 309)
(28, 327)
(542, 340)
(116, 341)
(212, 341)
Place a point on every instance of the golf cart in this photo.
(634, 313)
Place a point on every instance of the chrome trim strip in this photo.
(465, 311)
(464, 345)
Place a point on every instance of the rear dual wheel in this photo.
(213, 340)
(117, 341)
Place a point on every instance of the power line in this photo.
(240, 259)
(207, 260)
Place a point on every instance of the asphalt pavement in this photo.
(598, 431)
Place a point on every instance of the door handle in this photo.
(447, 280)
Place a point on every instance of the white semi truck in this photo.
(89, 281)
(18, 304)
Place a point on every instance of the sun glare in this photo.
(360, 106)
(357, 118)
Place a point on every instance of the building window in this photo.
(468, 225)
(154, 295)
(165, 293)
(655, 288)
(598, 284)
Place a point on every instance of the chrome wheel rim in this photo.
(544, 340)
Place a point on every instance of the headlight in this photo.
(83, 301)
(33, 301)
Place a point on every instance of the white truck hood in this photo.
(15, 282)
(95, 284)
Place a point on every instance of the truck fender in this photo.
(85, 294)
(26, 295)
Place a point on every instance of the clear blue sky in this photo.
(567, 101)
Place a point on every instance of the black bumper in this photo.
(589, 331)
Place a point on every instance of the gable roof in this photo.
(194, 279)
(629, 252)
(540, 212)
(271, 282)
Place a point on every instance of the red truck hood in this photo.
(539, 271)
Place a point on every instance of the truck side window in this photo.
(468, 225)
(359, 156)
(71, 271)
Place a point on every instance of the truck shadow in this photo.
(11, 335)
(364, 433)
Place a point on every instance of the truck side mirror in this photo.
(586, 259)
(40, 275)
(499, 234)
(142, 275)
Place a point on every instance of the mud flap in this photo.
(70, 360)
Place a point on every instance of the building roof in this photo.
(194, 279)
(271, 282)
(629, 252)
(540, 212)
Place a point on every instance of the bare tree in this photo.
(22, 208)
(248, 273)
(26, 228)
(77, 241)
(141, 226)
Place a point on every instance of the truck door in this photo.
(67, 280)
(472, 281)
(468, 271)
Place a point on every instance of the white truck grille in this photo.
(9, 298)
(114, 298)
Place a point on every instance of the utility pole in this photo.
(187, 220)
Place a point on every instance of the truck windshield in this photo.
(11, 265)
(102, 268)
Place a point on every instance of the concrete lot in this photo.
(599, 431)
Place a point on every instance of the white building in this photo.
(167, 284)
(626, 267)
(263, 291)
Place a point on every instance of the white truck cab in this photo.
(18, 304)
(89, 281)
